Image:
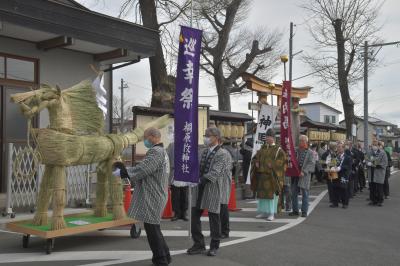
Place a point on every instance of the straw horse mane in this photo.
(80, 102)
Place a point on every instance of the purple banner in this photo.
(186, 106)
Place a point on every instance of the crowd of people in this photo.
(341, 165)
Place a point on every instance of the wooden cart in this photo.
(76, 223)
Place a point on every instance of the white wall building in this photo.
(321, 112)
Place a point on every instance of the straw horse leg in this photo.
(44, 197)
(117, 197)
(59, 198)
(102, 191)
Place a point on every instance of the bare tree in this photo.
(150, 12)
(339, 29)
(230, 48)
(116, 112)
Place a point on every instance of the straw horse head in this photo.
(73, 110)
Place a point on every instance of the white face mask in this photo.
(207, 141)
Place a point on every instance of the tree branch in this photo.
(255, 51)
(350, 62)
(181, 10)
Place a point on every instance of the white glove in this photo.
(369, 164)
(338, 168)
(117, 172)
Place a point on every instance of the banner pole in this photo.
(189, 187)
(191, 13)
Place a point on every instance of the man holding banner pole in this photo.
(207, 195)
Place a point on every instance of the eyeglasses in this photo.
(207, 136)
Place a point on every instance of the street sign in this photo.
(354, 130)
(254, 106)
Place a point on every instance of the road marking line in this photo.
(251, 220)
(310, 197)
(114, 257)
(248, 209)
(166, 233)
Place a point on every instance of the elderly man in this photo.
(208, 193)
(267, 176)
(306, 162)
(377, 162)
(150, 194)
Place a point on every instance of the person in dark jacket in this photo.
(246, 151)
(340, 185)
(355, 156)
(361, 174)
(179, 189)
(387, 175)
(326, 159)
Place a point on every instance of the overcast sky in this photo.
(384, 95)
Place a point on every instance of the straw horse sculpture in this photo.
(74, 137)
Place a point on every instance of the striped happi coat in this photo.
(211, 199)
(151, 186)
(226, 180)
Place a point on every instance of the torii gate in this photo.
(265, 88)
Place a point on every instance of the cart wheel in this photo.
(12, 215)
(49, 245)
(25, 241)
(135, 231)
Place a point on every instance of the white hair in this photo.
(303, 137)
(152, 131)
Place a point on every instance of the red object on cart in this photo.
(127, 195)
(168, 208)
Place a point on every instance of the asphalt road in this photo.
(359, 235)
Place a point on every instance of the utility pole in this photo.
(366, 96)
(294, 117)
(123, 86)
(291, 52)
(366, 46)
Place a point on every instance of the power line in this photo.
(309, 74)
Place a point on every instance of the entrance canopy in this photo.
(66, 24)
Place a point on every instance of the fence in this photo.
(22, 192)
